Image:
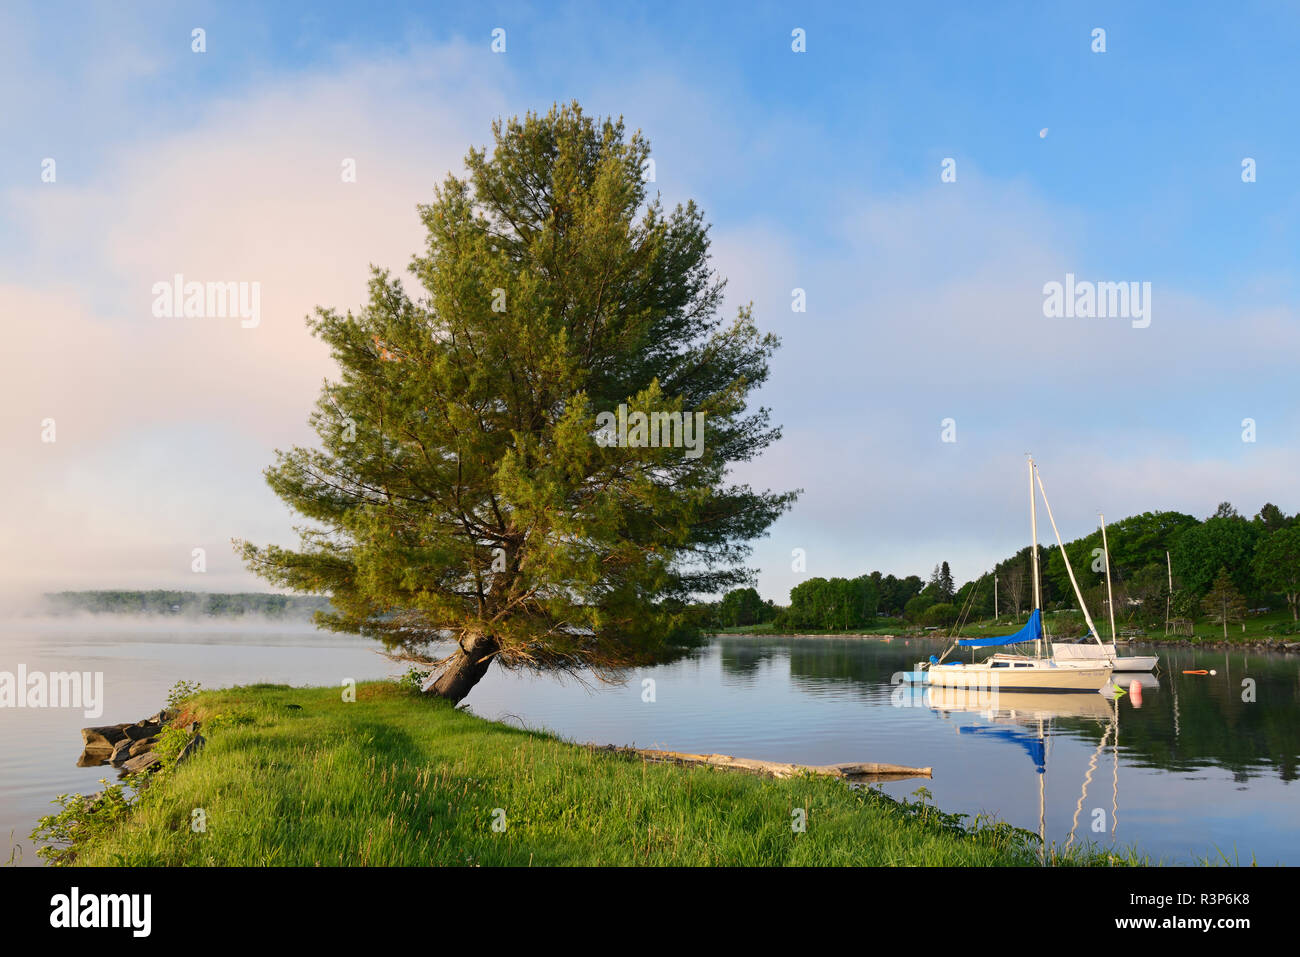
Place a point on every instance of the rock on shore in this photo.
(130, 746)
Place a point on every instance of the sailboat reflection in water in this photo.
(1028, 721)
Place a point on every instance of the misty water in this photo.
(1198, 773)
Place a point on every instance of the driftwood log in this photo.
(850, 770)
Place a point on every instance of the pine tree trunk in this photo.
(463, 672)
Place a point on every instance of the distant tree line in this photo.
(185, 603)
(1222, 567)
(831, 604)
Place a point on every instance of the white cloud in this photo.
(164, 423)
(931, 309)
(920, 306)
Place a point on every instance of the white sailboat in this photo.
(1004, 672)
(1085, 654)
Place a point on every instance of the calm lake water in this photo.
(1199, 772)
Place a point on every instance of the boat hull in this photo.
(1086, 656)
(1034, 677)
(1136, 663)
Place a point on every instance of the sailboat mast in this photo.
(1068, 568)
(1033, 541)
(1110, 597)
(1042, 798)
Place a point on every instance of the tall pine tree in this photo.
(463, 489)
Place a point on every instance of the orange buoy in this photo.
(1201, 672)
(1135, 693)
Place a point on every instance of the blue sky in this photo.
(819, 170)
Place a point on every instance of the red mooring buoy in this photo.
(1135, 693)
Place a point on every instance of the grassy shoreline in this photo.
(297, 776)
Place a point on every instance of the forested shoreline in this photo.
(1225, 569)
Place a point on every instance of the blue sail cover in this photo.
(1032, 631)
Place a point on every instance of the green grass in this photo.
(397, 779)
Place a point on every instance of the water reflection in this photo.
(1029, 721)
(1201, 762)
(1243, 719)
